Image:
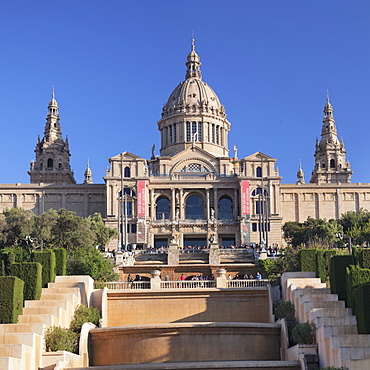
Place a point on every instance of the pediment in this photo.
(126, 156)
(258, 156)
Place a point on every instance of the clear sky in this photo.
(114, 64)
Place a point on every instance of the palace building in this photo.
(195, 192)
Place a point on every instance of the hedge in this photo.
(323, 258)
(361, 298)
(7, 257)
(31, 274)
(60, 261)
(338, 277)
(364, 259)
(356, 276)
(11, 299)
(47, 260)
(307, 259)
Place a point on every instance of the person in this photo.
(258, 276)
(229, 277)
(182, 277)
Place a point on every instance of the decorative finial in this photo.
(52, 93)
(327, 95)
(192, 44)
(300, 164)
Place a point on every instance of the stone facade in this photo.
(194, 192)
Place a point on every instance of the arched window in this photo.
(258, 172)
(258, 191)
(260, 203)
(332, 163)
(225, 209)
(127, 172)
(162, 209)
(194, 208)
(50, 163)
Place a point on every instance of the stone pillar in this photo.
(215, 202)
(235, 208)
(173, 255)
(338, 206)
(214, 254)
(155, 280)
(119, 258)
(173, 204)
(182, 213)
(221, 278)
(208, 205)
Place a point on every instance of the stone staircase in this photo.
(339, 343)
(22, 344)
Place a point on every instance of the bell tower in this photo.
(331, 165)
(52, 152)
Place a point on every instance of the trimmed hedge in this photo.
(60, 261)
(47, 260)
(11, 299)
(361, 299)
(356, 276)
(31, 274)
(364, 259)
(7, 257)
(338, 277)
(307, 259)
(323, 258)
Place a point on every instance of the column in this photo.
(208, 206)
(338, 205)
(182, 213)
(173, 204)
(235, 208)
(215, 202)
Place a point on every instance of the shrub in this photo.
(61, 339)
(31, 274)
(307, 259)
(304, 333)
(11, 299)
(323, 258)
(47, 260)
(285, 310)
(60, 261)
(361, 299)
(338, 265)
(84, 314)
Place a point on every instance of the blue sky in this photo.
(114, 64)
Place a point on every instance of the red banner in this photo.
(141, 199)
(245, 199)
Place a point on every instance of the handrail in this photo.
(188, 284)
(247, 283)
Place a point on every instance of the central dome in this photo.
(193, 115)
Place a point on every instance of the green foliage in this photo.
(60, 261)
(7, 257)
(307, 259)
(61, 339)
(356, 224)
(312, 232)
(31, 274)
(338, 265)
(304, 333)
(90, 262)
(323, 258)
(364, 258)
(284, 310)
(274, 268)
(361, 300)
(356, 276)
(84, 314)
(11, 299)
(47, 261)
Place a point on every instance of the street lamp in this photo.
(340, 236)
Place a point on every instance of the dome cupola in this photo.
(193, 113)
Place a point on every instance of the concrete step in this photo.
(250, 365)
(343, 353)
(20, 351)
(363, 364)
(36, 328)
(10, 363)
(358, 340)
(329, 330)
(306, 307)
(329, 312)
(47, 319)
(331, 321)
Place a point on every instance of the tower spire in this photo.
(193, 63)
(331, 165)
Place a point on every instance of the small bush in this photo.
(285, 310)
(61, 339)
(304, 333)
(84, 314)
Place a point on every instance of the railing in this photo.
(247, 283)
(125, 285)
(188, 284)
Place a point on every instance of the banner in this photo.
(246, 211)
(141, 211)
